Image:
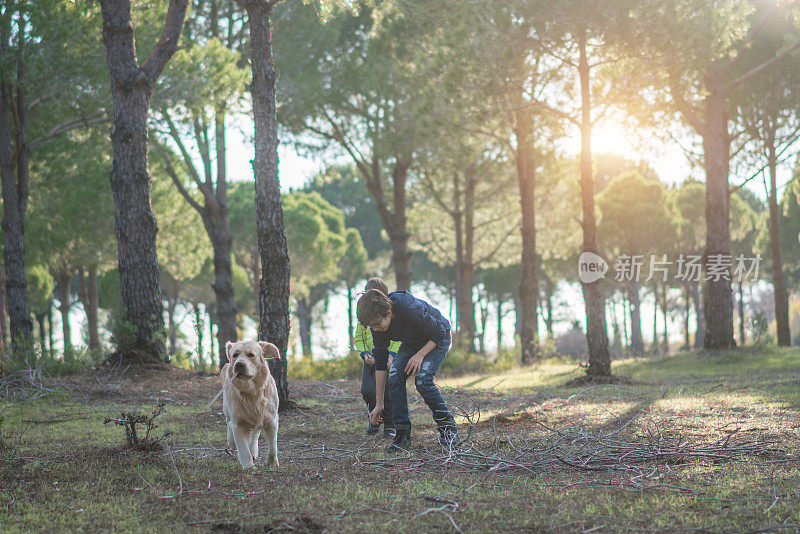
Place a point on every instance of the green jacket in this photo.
(363, 340)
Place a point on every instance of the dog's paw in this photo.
(273, 460)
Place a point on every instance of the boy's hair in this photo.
(377, 283)
(372, 306)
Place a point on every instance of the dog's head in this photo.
(249, 358)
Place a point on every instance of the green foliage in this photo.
(344, 187)
(458, 362)
(353, 265)
(182, 245)
(635, 216)
(123, 332)
(40, 286)
(315, 236)
(70, 221)
(342, 367)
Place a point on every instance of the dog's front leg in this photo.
(272, 436)
(231, 441)
(241, 435)
(254, 443)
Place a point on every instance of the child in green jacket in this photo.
(364, 344)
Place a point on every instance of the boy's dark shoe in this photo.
(402, 440)
(389, 432)
(448, 437)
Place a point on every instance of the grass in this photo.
(63, 470)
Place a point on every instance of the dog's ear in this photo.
(268, 350)
(228, 346)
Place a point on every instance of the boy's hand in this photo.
(369, 360)
(375, 415)
(414, 363)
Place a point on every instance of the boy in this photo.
(363, 341)
(425, 337)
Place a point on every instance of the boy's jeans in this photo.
(368, 393)
(423, 380)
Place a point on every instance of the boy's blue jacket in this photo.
(414, 323)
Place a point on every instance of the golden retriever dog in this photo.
(250, 399)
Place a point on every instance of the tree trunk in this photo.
(131, 87)
(50, 351)
(88, 294)
(463, 221)
(484, 315)
(304, 324)
(172, 328)
(211, 345)
(742, 338)
(42, 334)
(221, 243)
(655, 319)
(687, 297)
(350, 329)
(401, 255)
(548, 298)
(3, 330)
(14, 176)
(778, 284)
(665, 309)
(596, 334)
(499, 324)
(700, 331)
(635, 307)
(717, 298)
(625, 321)
(273, 295)
(64, 280)
(199, 330)
(528, 288)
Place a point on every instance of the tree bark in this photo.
(548, 299)
(350, 329)
(42, 333)
(665, 309)
(655, 319)
(199, 330)
(88, 293)
(483, 308)
(304, 324)
(717, 297)
(463, 220)
(687, 298)
(596, 334)
(741, 314)
(273, 295)
(3, 330)
(635, 305)
(779, 286)
(131, 88)
(528, 288)
(222, 243)
(51, 351)
(700, 329)
(172, 328)
(14, 177)
(64, 280)
(499, 324)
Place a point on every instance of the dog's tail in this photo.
(214, 399)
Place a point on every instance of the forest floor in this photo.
(690, 442)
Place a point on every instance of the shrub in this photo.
(342, 367)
